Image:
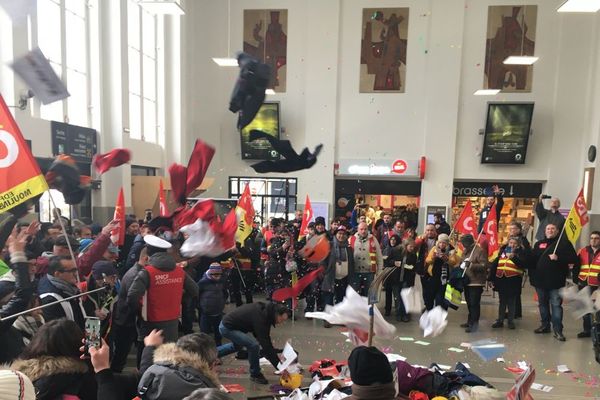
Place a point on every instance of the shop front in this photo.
(519, 202)
(391, 185)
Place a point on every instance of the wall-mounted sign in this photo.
(75, 141)
(507, 189)
(398, 168)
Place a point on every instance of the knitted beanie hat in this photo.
(15, 385)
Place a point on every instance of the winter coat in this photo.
(257, 318)
(86, 260)
(401, 274)
(134, 253)
(117, 386)
(57, 311)
(547, 217)
(548, 274)
(362, 258)
(53, 377)
(211, 296)
(477, 266)
(434, 266)
(510, 286)
(122, 314)
(328, 283)
(175, 374)
(485, 211)
(124, 253)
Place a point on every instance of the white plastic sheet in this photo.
(412, 298)
(579, 301)
(353, 312)
(434, 322)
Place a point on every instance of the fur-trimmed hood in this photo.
(170, 354)
(37, 368)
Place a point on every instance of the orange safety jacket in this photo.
(590, 266)
(507, 268)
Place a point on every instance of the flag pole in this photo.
(79, 295)
(559, 237)
(62, 226)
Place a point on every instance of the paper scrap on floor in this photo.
(563, 368)
(543, 388)
(455, 349)
(406, 339)
(289, 356)
(395, 357)
(466, 345)
(264, 361)
(422, 343)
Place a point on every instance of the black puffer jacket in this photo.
(211, 296)
(547, 273)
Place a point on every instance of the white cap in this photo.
(157, 242)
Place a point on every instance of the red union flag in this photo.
(490, 228)
(307, 215)
(466, 222)
(577, 218)
(118, 235)
(245, 216)
(162, 201)
(20, 176)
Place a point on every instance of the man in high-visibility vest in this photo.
(586, 273)
(368, 259)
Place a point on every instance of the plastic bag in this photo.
(412, 298)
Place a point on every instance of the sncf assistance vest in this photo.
(507, 268)
(372, 252)
(162, 301)
(590, 267)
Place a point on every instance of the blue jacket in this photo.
(211, 295)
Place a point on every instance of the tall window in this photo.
(49, 40)
(63, 36)
(143, 57)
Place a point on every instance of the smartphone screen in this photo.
(92, 332)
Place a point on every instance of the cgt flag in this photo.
(244, 212)
(466, 222)
(490, 228)
(118, 235)
(307, 216)
(162, 201)
(20, 176)
(576, 219)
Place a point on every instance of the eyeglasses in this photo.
(69, 271)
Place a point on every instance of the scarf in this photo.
(341, 250)
(63, 286)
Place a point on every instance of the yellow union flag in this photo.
(244, 212)
(576, 219)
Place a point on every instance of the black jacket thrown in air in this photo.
(257, 318)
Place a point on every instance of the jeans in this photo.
(549, 300)
(473, 298)
(361, 281)
(507, 301)
(587, 318)
(239, 340)
(210, 323)
(188, 315)
(123, 337)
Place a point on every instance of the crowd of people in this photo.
(146, 294)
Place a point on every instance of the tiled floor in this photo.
(543, 351)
